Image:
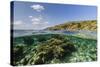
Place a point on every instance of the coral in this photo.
(55, 48)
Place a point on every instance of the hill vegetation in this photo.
(76, 25)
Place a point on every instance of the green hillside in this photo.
(77, 25)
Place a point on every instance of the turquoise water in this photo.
(26, 48)
(86, 33)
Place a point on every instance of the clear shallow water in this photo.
(18, 33)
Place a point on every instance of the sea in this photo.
(18, 33)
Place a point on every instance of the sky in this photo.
(37, 16)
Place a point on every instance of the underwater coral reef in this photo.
(53, 48)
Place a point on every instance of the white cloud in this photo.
(30, 16)
(36, 23)
(37, 7)
(18, 22)
(39, 22)
(36, 19)
(47, 22)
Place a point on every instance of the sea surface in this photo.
(18, 33)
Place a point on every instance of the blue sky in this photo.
(30, 15)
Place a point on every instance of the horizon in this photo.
(38, 16)
(57, 24)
